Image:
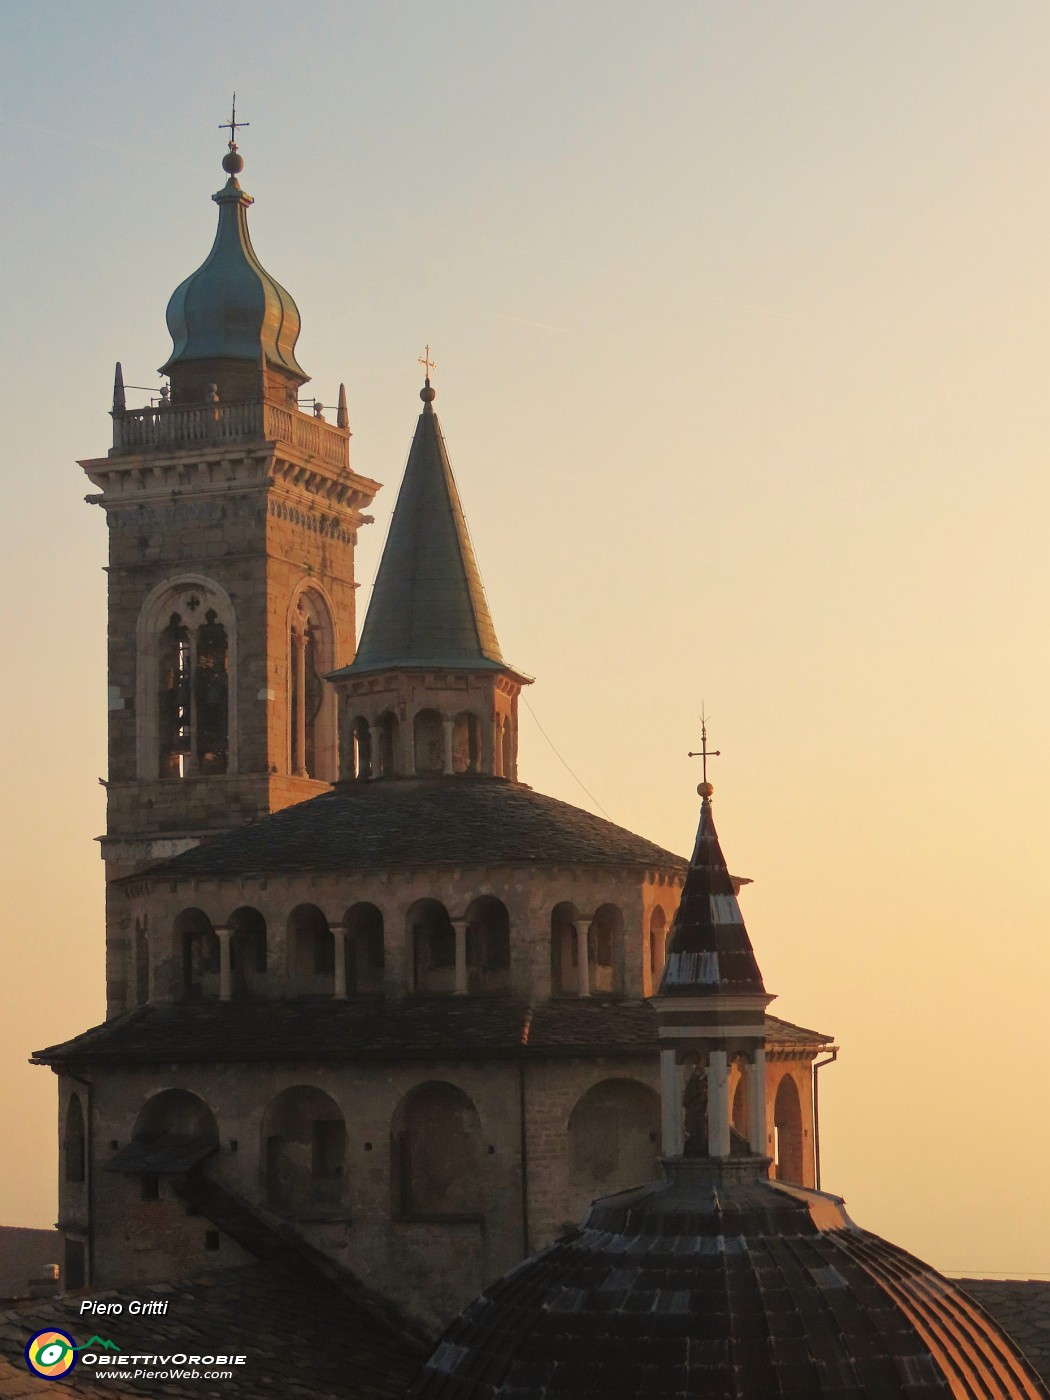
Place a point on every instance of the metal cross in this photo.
(427, 363)
(233, 124)
(703, 751)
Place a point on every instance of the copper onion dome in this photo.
(231, 308)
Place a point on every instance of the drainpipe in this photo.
(89, 1174)
(526, 1248)
(819, 1064)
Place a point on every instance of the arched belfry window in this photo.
(185, 677)
(311, 707)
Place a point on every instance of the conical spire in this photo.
(428, 605)
(708, 951)
(231, 308)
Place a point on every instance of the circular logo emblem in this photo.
(51, 1353)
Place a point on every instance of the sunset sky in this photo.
(741, 316)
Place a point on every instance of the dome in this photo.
(231, 308)
(721, 1284)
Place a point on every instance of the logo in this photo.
(51, 1353)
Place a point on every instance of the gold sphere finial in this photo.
(705, 789)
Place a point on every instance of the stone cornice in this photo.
(226, 470)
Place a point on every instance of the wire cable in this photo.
(561, 760)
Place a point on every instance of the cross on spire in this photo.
(427, 363)
(233, 124)
(703, 752)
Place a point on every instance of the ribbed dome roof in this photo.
(721, 1284)
(231, 308)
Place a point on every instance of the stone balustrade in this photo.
(164, 426)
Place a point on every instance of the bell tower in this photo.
(233, 518)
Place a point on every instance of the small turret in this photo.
(711, 1010)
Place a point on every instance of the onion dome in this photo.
(231, 308)
(717, 1282)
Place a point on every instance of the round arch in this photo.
(304, 1152)
(313, 709)
(614, 1140)
(565, 972)
(436, 1154)
(787, 1131)
(175, 1113)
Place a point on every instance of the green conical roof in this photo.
(231, 308)
(428, 605)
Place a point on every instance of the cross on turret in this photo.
(427, 363)
(233, 124)
(703, 751)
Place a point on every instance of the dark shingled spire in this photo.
(428, 606)
(708, 951)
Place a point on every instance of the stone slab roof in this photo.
(301, 1337)
(1022, 1308)
(417, 1028)
(465, 821)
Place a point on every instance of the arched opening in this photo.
(197, 948)
(304, 1152)
(436, 1155)
(787, 1132)
(657, 945)
(176, 1115)
(509, 765)
(565, 971)
(247, 951)
(185, 642)
(361, 737)
(311, 702)
(429, 735)
(175, 697)
(488, 946)
(389, 737)
(466, 743)
(311, 952)
(141, 961)
(741, 1105)
(364, 948)
(605, 949)
(614, 1141)
(211, 695)
(73, 1142)
(433, 942)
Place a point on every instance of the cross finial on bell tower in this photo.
(233, 124)
(703, 752)
(427, 393)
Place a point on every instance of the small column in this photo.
(673, 1138)
(583, 928)
(225, 963)
(300, 707)
(339, 934)
(717, 1104)
(448, 725)
(756, 1099)
(460, 927)
(408, 747)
